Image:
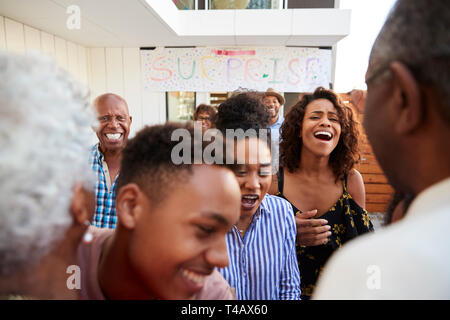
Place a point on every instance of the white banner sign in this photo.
(218, 69)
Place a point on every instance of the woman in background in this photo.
(204, 114)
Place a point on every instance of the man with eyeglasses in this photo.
(407, 120)
(112, 132)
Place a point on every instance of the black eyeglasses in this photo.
(203, 118)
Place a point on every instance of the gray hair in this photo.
(45, 133)
(416, 33)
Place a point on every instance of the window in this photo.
(315, 4)
(180, 105)
(252, 4)
(245, 4)
(185, 4)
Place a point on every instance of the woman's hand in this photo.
(311, 232)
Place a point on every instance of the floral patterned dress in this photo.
(346, 219)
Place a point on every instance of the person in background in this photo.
(319, 147)
(407, 121)
(261, 245)
(112, 133)
(273, 101)
(204, 114)
(46, 185)
(172, 222)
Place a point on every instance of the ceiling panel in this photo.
(146, 23)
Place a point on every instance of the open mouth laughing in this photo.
(113, 137)
(249, 201)
(323, 135)
(193, 279)
(272, 111)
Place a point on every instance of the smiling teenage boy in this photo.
(172, 222)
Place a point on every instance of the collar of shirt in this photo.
(261, 208)
(430, 200)
(279, 122)
(98, 156)
(97, 153)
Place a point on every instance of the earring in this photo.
(88, 236)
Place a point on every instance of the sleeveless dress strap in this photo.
(345, 183)
(280, 177)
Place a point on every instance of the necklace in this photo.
(243, 230)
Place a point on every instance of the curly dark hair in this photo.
(206, 108)
(346, 153)
(147, 159)
(245, 113)
(243, 110)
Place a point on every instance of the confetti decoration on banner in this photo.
(225, 69)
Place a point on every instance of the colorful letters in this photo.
(209, 69)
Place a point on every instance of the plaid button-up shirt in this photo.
(105, 200)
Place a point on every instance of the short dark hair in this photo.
(346, 153)
(147, 160)
(243, 110)
(246, 111)
(416, 33)
(210, 110)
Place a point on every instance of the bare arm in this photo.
(355, 186)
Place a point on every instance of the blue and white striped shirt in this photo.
(105, 200)
(263, 265)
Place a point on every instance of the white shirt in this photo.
(407, 260)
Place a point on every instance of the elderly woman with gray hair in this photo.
(46, 198)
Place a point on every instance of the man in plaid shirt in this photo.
(112, 132)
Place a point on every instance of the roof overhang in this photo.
(146, 23)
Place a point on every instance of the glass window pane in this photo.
(245, 4)
(269, 4)
(180, 105)
(260, 4)
(216, 98)
(185, 4)
(302, 4)
(228, 4)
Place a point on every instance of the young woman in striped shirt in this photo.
(261, 245)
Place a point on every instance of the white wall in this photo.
(17, 37)
(116, 70)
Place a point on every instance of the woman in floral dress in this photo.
(318, 149)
